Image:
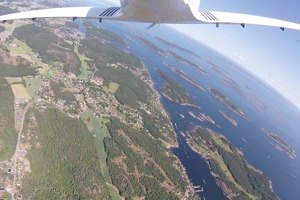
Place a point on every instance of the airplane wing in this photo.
(72, 12)
(242, 19)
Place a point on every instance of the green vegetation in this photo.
(60, 93)
(32, 85)
(106, 54)
(72, 25)
(139, 166)
(177, 47)
(112, 88)
(183, 60)
(131, 90)
(8, 135)
(45, 43)
(63, 158)
(281, 144)
(66, 45)
(103, 34)
(241, 179)
(174, 91)
(226, 102)
(152, 46)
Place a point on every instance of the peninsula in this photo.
(236, 178)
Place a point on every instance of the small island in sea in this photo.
(236, 178)
(177, 47)
(226, 116)
(175, 92)
(280, 144)
(185, 61)
(226, 102)
(184, 76)
(152, 46)
(202, 117)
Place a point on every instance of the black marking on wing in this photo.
(109, 12)
(208, 16)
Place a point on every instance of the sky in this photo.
(267, 52)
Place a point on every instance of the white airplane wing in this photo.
(242, 19)
(72, 12)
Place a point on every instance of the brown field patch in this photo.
(20, 91)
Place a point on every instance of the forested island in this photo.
(177, 47)
(152, 46)
(184, 76)
(237, 179)
(173, 91)
(226, 116)
(280, 144)
(226, 102)
(185, 61)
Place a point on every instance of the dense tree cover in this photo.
(37, 38)
(8, 134)
(107, 54)
(136, 163)
(252, 181)
(103, 34)
(59, 93)
(151, 45)
(63, 158)
(151, 125)
(174, 90)
(131, 90)
(66, 45)
(45, 43)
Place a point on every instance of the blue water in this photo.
(276, 114)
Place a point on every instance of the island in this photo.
(171, 44)
(152, 46)
(221, 97)
(280, 144)
(184, 76)
(236, 178)
(202, 117)
(226, 116)
(175, 92)
(185, 61)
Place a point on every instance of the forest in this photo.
(253, 183)
(175, 91)
(63, 158)
(140, 164)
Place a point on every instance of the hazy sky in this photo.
(271, 54)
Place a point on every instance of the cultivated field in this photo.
(20, 91)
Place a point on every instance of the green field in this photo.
(112, 88)
(33, 85)
(98, 128)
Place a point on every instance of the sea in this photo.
(262, 105)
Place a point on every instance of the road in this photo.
(15, 156)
